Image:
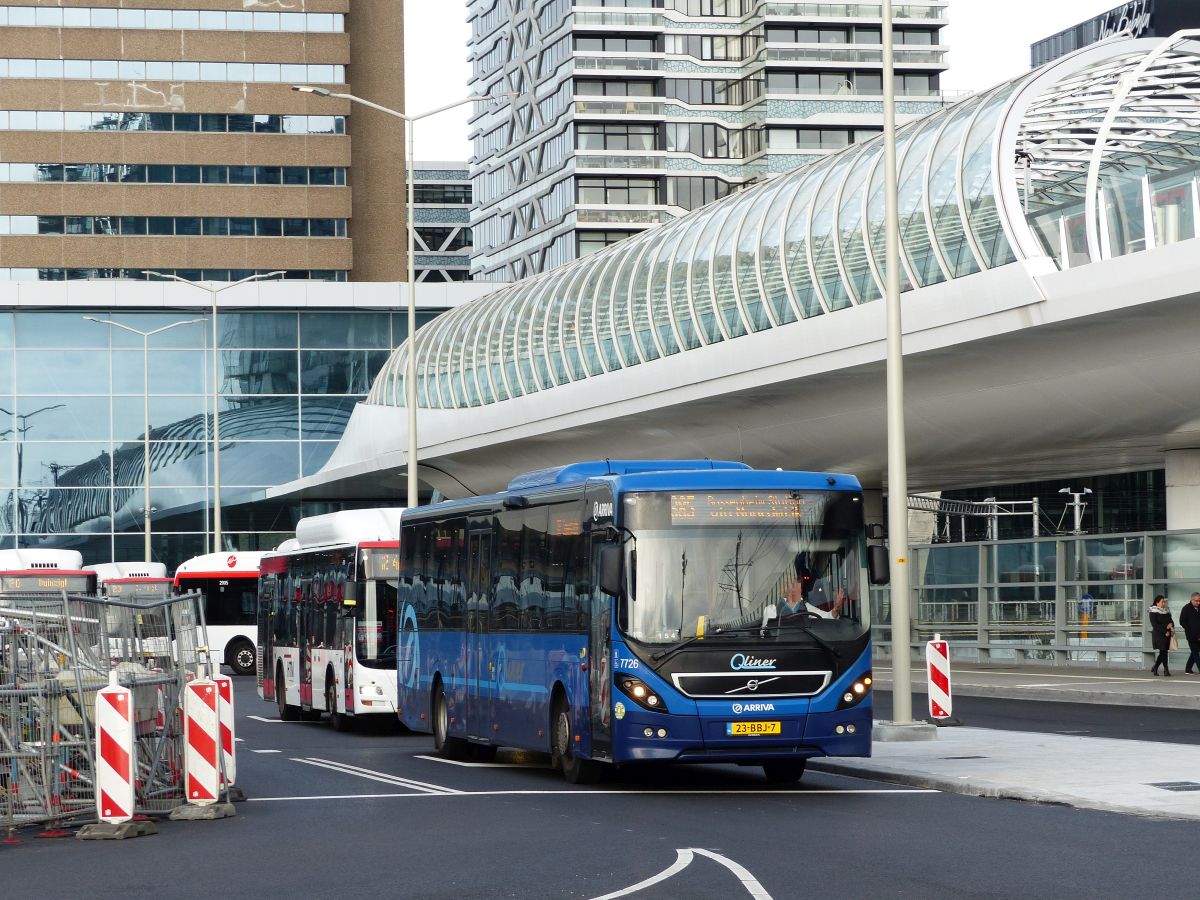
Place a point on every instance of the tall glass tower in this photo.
(630, 113)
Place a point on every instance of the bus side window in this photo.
(453, 594)
(506, 596)
(535, 563)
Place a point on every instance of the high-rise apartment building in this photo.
(442, 220)
(163, 134)
(633, 112)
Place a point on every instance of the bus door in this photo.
(598, 511)
(306, 638)
(480, 665)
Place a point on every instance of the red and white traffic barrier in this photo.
(201, 733)
(225, 716)
(115, 753)
(937, 659)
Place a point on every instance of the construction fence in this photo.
(56, 652)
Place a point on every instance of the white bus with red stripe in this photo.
(327, 618)
(38, 571)
(229, 583)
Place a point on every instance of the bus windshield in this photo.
(375, 626)
(706, 562)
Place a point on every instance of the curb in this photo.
(1068, 695)
(976, 788)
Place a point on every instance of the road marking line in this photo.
(614, 793)
(479, 765)
(683, 859)
(749, 882)
(266, 751)
(1072, 684)
(372, 775)
(960, 672)
(275, 721)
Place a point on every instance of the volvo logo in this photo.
(741, 662)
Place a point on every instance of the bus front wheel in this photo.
(447, 746)
(241, 658)
(575, 769)
(784, 771)
(287, 712)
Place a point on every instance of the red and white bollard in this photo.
(201, 737)
(115, 753)
(937, 659)
(225, 716)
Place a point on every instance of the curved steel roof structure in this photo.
(1000, 177)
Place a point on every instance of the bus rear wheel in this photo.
(786, 771)
(447, 746)
(339, 721)
(241, 658)
(287, 712)
(575, 769)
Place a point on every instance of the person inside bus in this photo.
(811, 593)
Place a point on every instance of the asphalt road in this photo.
(1172, 726)
(373, 814)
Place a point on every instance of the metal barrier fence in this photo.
(1058, 600)
(55, 653)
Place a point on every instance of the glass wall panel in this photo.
(53, 329)
(266, 331)
(824, 233)
(246, 372)
(943, 194)
(914, 230)
(982, 214)
(336, 330)
(795, 246)
(171, 371)
(64, 418)
(183, 415)
(53, 464)
(850, 233)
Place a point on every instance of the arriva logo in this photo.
(741, 662)
(602, 510)
(739, 708)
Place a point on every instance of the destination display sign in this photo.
(379, 563)
(148, 588)
(733, 507)
(34, 584)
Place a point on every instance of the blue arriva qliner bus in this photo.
(635, 611)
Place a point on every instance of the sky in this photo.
(988, 40)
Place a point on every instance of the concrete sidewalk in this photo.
(1065, 684)
(1125, 776)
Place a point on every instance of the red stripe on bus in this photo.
(203, 576)
(379, 545)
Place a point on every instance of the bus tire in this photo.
(447, 746)
(784, 771)
(240, 657)
(287, 712)
(575, 769)
(339, 721)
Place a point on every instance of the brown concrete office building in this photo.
(163, 134)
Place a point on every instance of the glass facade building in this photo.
(632, 113)
(442, 214)
(71, 421)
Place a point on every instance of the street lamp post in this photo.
(216, 382)
(410, 372)
(145, 335)
(897, 470)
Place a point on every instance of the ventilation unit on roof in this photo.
(43, 565)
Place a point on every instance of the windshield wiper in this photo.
(820, 641)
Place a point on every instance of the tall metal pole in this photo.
(410, 371)
(146, 443)
(897, 477)
(216, 423)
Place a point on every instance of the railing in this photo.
(635, 19)
(853, 55)
(629, 215)
(855, 10)
(1059, 600)
(639, 64)
(619, 107)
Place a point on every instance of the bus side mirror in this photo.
(349, 596)
(878, 564)
(610, 570)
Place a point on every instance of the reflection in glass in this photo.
(171, 371)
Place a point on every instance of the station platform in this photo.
(1122, 776)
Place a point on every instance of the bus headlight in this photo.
(639, 692)
(854, 694)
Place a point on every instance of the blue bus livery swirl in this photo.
(634, 611)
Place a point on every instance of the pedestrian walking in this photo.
(1163, 627)
(1189, 621)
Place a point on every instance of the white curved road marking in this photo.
(682, 860)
